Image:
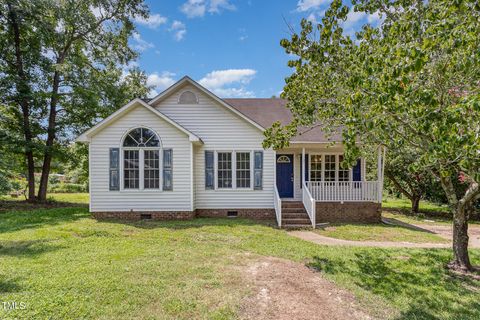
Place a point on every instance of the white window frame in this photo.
(337, 165)
(234, 169)
(141, 164)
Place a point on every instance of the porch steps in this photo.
(294, 215)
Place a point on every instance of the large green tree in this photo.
(61, 69)
(411, 82)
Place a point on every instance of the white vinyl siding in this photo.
(102, 199)
(221, 130)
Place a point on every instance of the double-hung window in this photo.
(243, 172)
(327, 167)
(141, 160)
(234, 170)
(224, 170)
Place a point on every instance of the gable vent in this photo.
(187, 97)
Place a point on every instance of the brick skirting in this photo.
(136, 215)
(258, 214)
(362, 212)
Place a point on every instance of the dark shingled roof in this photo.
(266, 111)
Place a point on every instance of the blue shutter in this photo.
(258, 170)
(167, 170)
(357, 171)
(114, 183)
(306, 170)
(209, 170)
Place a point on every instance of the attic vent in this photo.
(187, 97)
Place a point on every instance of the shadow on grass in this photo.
(8, 285)
(415, 281)
(189, 224)
(28, 248)
(19, 220)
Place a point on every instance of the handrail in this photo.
(344, 191)
(309, 203)
(277, 201)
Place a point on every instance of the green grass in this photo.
(405, 204)
(379, 232)
(65, 265)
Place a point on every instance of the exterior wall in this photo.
(155, 215)
(258, 214)
(361, 212)
(102, 199)
(221, 130)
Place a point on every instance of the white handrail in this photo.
(344, 191)
(277, 201)
(309, 203)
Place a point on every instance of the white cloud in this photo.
(198, 8)
(152, 22)
(216, 5)
(305, 5)
(229, 83)
(139, 43)
(179, 30)
(160, 81)
(194, 8)
(354, 18)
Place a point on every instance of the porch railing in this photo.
(277, 201)
(344, 191)
(309, 204)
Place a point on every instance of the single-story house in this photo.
(188, 153)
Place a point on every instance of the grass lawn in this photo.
(65, 265)
(405, 204)
(378, 232)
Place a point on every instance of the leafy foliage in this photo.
(411, 83)
(63, 65)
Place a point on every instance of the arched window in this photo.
(141, 137)
(187, 97)
(141, 159)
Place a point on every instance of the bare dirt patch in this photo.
(285, 290)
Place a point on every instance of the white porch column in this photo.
(303, 167)
(380, 168)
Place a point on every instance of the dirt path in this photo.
(443, 231)
(327, 241)
(285, 290)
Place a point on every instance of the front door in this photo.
(285, 175)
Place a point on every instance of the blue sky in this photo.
(230, 46)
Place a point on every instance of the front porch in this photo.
(311, 176)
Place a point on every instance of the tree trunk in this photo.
(23, 91)
(461, 259)
(415, 203)
(51, 131)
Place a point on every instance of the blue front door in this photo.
(285, 175)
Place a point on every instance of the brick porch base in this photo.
(362, 212)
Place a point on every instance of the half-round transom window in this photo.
(187, 97)
(140, 138)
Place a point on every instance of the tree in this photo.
(413, 184)
(61, 68)
(410, 83)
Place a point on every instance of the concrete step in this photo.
(296, 226)
(296, 221)
(294, 210)
(294, 216)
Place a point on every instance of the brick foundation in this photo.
(360, 212)
(136, 215)
(257, 214)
